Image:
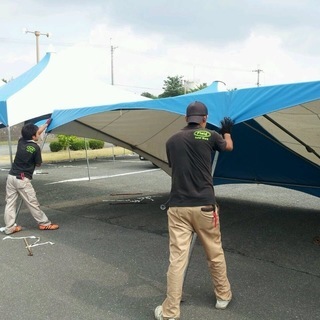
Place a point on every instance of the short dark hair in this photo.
(29, 130)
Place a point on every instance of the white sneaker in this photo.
(158, 313)
(222, 304)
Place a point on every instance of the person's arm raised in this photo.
(226, 128)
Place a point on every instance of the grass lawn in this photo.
(65, 155)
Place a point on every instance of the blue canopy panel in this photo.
(262, 153)
(281, 166)
(240, 105)
(9, 89)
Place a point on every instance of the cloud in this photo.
(200, 40)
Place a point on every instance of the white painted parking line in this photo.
(103, 177)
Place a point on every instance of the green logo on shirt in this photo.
(31, 149)
(202, 135)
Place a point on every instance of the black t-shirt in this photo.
(27, 157)
(189, 155)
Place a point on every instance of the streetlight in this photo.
(37, 34)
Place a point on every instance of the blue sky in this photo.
(203, 40)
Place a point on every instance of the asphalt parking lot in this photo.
(110, 255)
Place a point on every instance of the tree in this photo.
(198, 87)
(173, 86)
(148, 95)
(6, 80)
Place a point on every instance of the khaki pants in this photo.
(24, 188)
(182, 222)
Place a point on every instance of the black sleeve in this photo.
(38, 157)
(219, 143)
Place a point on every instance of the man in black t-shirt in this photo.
(28, 156)
(193, 207)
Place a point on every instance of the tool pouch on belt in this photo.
(20, 176)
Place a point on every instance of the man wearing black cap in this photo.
(193, 207)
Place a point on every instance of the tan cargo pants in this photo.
(182, 222)
(24, 188)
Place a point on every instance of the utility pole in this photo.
(186, 85)
(258, 75)
(37, 34)
(112, 51)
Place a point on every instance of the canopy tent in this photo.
(58, 81)
(276, 136)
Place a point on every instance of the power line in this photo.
(97, 45)
(25, 42)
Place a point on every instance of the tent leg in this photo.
(10, 144)
(41, 147)
(18, 209)
(87, 158)
(113, 156)
(44, 140)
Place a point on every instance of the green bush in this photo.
(66, 140)
(96, 144)
(78, 144)
(74, 143)
(55, 146)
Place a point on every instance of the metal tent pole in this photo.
(10, 145)
(87, 158)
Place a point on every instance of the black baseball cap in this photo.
(195, 112)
